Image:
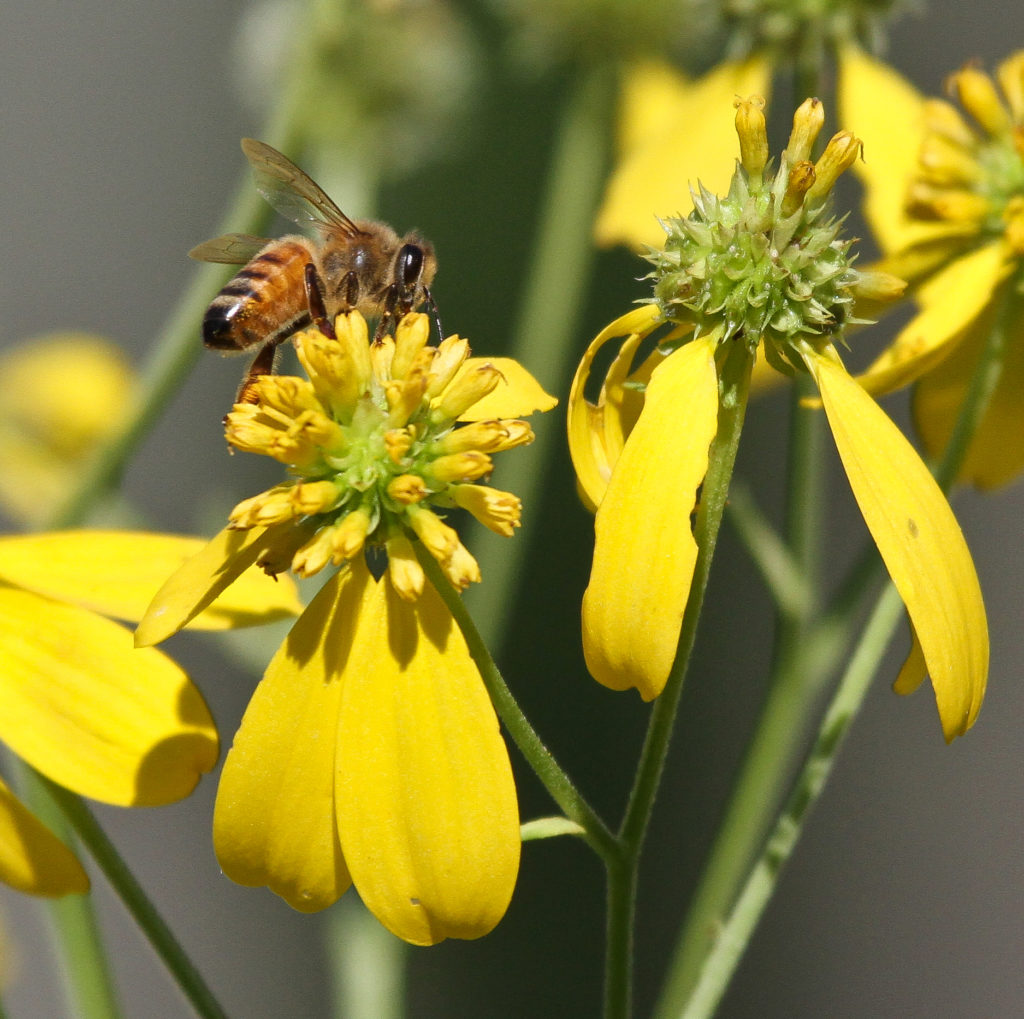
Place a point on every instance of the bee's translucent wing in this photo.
(231, 249)
(293, 193)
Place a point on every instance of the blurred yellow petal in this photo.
(919, 540)
(218, 564)
(951, 302)
(887, 113)
(996, 454)
(63, 393)
(695, 144)
(644, 552)
(81, 705)
(596, 437)
(274, 822)
(118, 572)
(32, 858)
(517, 393)
(65, 390)
(652, 95)
(427, 807)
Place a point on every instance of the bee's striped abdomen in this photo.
(263, 303)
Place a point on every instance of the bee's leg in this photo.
(263, 363)
(315, 300)
(432, 305)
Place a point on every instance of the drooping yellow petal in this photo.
(517, 393)
(919, 541)
(696, 144)
(427, 807)
(951, 303)
(996, 453)
(644, 552)
(205, 577)
(596, 438)
(32, 858)
(274, 822)
(887, 114)
(85, 708)
(118, 572)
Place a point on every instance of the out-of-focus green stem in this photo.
(89, 985)
(178, 345)
(548, 320)
(130, 892)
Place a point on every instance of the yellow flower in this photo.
(370, 752)
(79, 703)
(763, 269)
(945, 198)
(63, 394)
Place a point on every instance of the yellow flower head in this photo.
(370, 752)
(79, 703)
(762, 270)
(945, 197)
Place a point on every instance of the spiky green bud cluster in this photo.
(767, 261)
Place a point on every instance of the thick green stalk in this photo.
(548, 322)
(734, 389)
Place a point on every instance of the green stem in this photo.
(548, 321)
(135, 901)
(178, 345)
(735, 928)
(525, 737)
(622, 879)
(90, 986)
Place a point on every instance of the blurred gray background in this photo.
(120, 127)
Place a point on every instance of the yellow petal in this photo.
(81, 705)
(517, 393)
(427, 807)
(274, 822)
(697, 143)
(996, 453)
(887, 113)
(118, 572)
(217, 566)
(644, 552)
(919, 540)
(32, 858)
(951, 302)
(596, 439)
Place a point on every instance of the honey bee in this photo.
(294, 281)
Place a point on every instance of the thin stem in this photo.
(525, 737)
(135, 901)
(622, 879)
(552, 305)
(736, 928)
(89, 984)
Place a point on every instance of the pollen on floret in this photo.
(375, 451)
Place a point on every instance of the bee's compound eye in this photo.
(409, 265)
